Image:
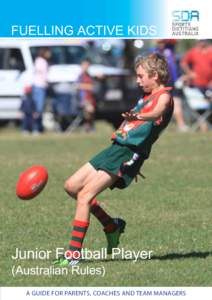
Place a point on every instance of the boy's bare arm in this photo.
(154, 115)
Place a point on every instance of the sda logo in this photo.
(185, 15)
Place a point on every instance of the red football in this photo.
(31, 182)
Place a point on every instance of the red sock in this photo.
(77, 236)
(102, 216)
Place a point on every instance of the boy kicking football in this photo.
(120, 163)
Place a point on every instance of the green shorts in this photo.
(118, 160)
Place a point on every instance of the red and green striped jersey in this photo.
(142, 134)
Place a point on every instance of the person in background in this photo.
(28, 110)
(62, 105)
(166, 48)
(197, 65)
(39, 88)
(87, 100)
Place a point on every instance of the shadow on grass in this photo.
(169, 256)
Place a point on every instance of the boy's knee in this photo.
(69, 188)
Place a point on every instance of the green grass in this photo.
(168, 213)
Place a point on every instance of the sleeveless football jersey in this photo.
(142, 134)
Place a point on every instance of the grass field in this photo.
(169, 213)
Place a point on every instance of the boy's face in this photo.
(144, 81)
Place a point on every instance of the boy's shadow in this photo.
(169, 256)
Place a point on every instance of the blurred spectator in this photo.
(28, 110)
(87, 100)
(39, 87)
(197, 65)
(166, 48)
(62, 105)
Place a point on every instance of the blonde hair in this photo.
(154, 63)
